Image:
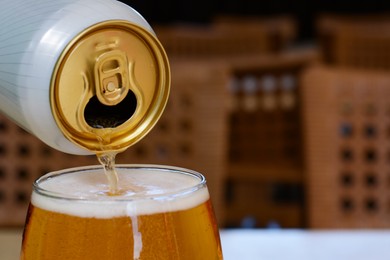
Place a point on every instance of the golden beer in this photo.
(160, 213)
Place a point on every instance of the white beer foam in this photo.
(88, 193)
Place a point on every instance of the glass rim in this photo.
(163, 168)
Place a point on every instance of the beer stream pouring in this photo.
(73, 72)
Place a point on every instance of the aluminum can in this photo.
(84, 76)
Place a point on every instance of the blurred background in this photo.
(283, 105)
(305, 12)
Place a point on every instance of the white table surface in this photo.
(273, 244)
(306, 245)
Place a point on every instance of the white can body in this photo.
(33, 34)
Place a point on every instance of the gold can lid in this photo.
(110, 86)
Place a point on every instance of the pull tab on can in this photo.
(110, 86)
(111, 77)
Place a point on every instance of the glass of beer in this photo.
(159, 212)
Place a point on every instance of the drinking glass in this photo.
(158, 212)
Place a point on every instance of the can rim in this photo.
(126, 137)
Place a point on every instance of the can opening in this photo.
(98, 115)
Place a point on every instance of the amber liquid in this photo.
(186, 234)
(107, 160)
